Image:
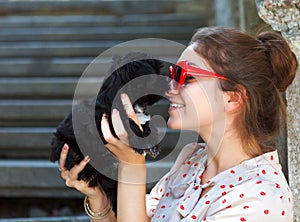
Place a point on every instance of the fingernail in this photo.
(66, 147)
(115, 111)
(123, 95)
(104, 116)
(86, 159)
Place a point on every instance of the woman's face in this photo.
(199, 104)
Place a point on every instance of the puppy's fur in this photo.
(109, 92)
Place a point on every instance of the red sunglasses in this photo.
(182, 70)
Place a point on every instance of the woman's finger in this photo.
(114, 144)
(63, 157)
(129, 110)
(120, 149)
(113, 149)
(106, 131)
(76, 169)
(119, 126)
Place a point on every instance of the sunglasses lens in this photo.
(177, 73)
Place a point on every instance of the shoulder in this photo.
(271, 198)
(257, 200)
(267, 181)
(262, 195)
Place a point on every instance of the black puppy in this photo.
(108, 98)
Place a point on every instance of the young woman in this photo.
(226, 86)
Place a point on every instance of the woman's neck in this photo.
(224, 153)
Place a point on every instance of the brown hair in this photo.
(264, 66)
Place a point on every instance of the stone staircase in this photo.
(45, 46)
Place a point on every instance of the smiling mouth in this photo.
(175, 105)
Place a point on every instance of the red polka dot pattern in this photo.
(232, 191)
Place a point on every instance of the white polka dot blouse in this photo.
(255, 190)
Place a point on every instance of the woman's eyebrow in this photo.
(193, 64)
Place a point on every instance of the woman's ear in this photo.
(234, 99)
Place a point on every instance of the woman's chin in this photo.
(173, 124)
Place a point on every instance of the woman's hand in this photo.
(97, 198)
(132, 167)
(70, 176)
(120, 147)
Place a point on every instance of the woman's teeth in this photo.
(174, 105)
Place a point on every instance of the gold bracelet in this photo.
(99, 215)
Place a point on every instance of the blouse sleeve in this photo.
(262, 201)
(153, 198)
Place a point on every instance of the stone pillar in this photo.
(293, 127)
(284, 16)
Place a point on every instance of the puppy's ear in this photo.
(56, 147)
(156, 64)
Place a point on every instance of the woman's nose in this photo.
(173, 85)
(173, 88)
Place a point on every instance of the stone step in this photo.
(48, 112)
(49, 67)
(55, 48)
(34, 142)
(45, 88)
(95, 33)
(33, 112)
(58, 21)
(49, 219)
(37, 7)
(32, 178)
(41, 178)
(25, 142)
(85, 48)
(173, 19)
(65, 66)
